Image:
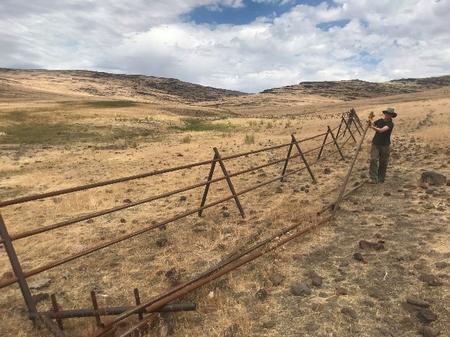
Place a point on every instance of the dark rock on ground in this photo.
(359, 257)
(430, 279)
(262, 295)
(433, 178)
(425, 315)
(269, 324)
(363, 244)
(377, 293)
(442, 265)
(161, 242)
(276, 279)
(40, 297)
(349, 312)
(300, 289)
(316, 279)
(173, 276)
(341, 291)
(427, 331)
(417, 302)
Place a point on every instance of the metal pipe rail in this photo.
(91, 250)
(96, 214)
(55, 193)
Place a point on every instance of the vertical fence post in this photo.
(56, 309)
(303, 158)
(287, 161)
(353, 111)
(336, 143)
(352, 121)
(350, 170)
(347, 127)
(205, 192)
(323, 144)
(96, 312)
(339, 129)
(137, 299)
(229, 182)
(17, 268)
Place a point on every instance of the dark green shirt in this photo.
(383, 138)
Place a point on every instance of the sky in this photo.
(247, 45)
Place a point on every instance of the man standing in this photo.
(379, 154)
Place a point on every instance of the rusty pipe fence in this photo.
(330, 137)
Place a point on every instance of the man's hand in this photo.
(380, 130)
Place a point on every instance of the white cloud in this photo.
(382, 40)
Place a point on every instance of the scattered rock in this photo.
(377, 293)
(417, 302)
(349, 312)
(316, 279)
(262, 294)
(433, 178)
(427, 331)
(278, 189)
(430, 279)
(161, 242)
(276, 279)
(183, 198)
(127, 201)
(300, 289)
(122, 220)
(39, 284)
(425, 315)
(269, 324)
(441, 265)
(341, 291)
(226, 214)
(363, 244)
(40, 297)
(173, 276)
(359, 257)
(327, 170)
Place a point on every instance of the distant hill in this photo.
(354, 89)
(108, 85)
(49, 84)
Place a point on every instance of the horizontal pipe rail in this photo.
(112, 311)
(128, 178)
(88, 251)
(55, 193)
(96, 214)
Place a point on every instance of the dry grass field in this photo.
(54, 135)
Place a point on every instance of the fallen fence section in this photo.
(53, 319)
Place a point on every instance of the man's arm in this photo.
(380, 130)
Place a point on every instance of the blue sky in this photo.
(247, 45)
(245, 14)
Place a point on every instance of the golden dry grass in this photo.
(104, 146)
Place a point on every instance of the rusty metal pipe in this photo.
(87, 251)
(112, 311)
(92, 215)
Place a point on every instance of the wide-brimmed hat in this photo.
(391, 112)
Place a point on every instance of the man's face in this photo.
(387, 117)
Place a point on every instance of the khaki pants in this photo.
(379, 158)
